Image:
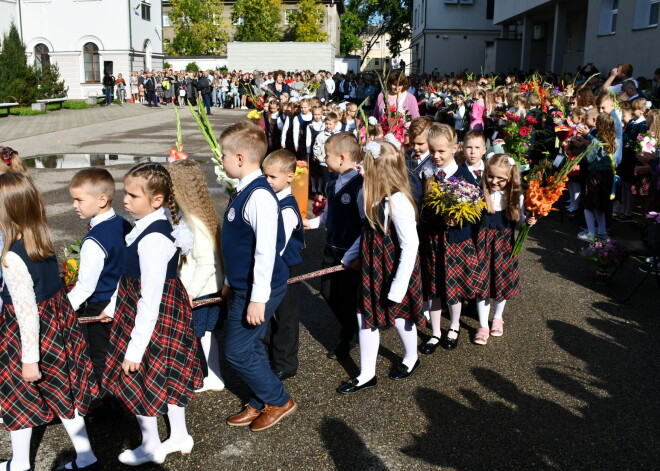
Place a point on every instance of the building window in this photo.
(376, 46)
(41, 57)
(422, 13)
(92, 63)
(490, 9)
(166, 20)
(146, 11)
(451, 1)
(609, 12)
(287, 16)
(376, 62)
(467, 2)
(646, 13)
(238, 21)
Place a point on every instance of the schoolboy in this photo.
(419, 158)
(474, 149)
(283, 333)
(256, 275)
(101, 253)
(343, 216)
(331, 128)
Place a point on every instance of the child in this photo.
(459, 114)
(419, 159)
(319, 147)
(279, 169)
(600, 177)
(342, 216)
(152, 368)
(300, 123)
(348, 123)
(626, 170)
(313, 130)
(272, 128)
(255, 275)
(10, 161)
(474, 149)
(46, 371)
(478, 112)
(200, 271)
(447, 249)
(391, 287)
(577, 119)
(101, 254)
(287, 113)
(497, 271)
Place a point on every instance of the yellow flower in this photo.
(254, 115)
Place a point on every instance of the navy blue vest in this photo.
(471, 178)
(343, 222)
(109, 235)
(497, 220)
(239, 242)
(292, 255)
(131, 265)
(45, 275)
(315, 133)
(302, 126)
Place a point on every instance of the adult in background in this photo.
(278, 87)
(108, 88)
(191, 88)
(204, 86)
(150, 90)
(135, 89)
(398, 96)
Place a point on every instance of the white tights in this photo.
(149, 428)
(436, 316)
(370, 341)
(483, 309)
(212, 354)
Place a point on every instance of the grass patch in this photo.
(25, 111)
(74, 105)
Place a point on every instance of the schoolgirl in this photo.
(271, 122)
(152, 368)
(390, 292)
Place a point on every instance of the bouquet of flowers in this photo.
(176, 152)
(517, 134)
(71, 265)
(544, 191)
(456, 199)
(646, 142)
(319, 205)
(604, 253)
(254, 115)
(394, 122)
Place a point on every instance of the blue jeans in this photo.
(245, 350)
(237, 100)
(206, 98)
(108, 95)
(215, 95)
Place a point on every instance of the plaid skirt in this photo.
(498, 276)
(448, 268)
(67, 379)
(169, 371)
(379, 260)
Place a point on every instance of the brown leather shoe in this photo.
(244, 417)
(272, 415)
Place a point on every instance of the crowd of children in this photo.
(136, 330)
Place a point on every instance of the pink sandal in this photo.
(497, 329)
(482, 336)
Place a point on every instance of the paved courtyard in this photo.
(573, 383)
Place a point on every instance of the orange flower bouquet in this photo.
(543, 192)
(71, 264)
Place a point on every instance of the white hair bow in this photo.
(373, 148)
(511, 161)
(389, 137)
(372, 121)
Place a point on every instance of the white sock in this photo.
(408, 334)
(590, 219)
(435, 305)
(20, 448)
(426, 309)
(177, 417)
(499, 308)
(369, 343)
(212, 354)
(149, 429)
(455, 316)
(77, 432)
(483, 309)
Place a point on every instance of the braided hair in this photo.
(156, 181)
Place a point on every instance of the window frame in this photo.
(94, 54)
(39, 57)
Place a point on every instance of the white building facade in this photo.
(451, 35)
(87, 37)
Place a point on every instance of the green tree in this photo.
(50, 85)
(364, 22)
(257, 20)
(18, 81)
(306, 22)
(199, 28)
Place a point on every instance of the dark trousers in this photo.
(246, 353)
(340, 291)
(108, 95)
(97, 335)
(283, 332)
(206, 97)
(151, 97)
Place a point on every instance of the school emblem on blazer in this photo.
(231, 214)
(345, 198)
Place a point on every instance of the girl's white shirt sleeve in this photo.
(21, 288)
(154, 251)
(285, 130)
(402, 213)
(202, 263)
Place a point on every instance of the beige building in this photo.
(331, 24)
(379, 56)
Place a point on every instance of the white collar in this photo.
(246, 180)
(449, 169)
(347, 176)
(284, 193)
(478, 167)
(101, 217)
(142, 224)
(641, 119)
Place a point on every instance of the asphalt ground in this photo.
(572, 384)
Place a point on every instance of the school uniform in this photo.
(476, 172)
(343, 218)
(153, 325)
(284, 330)
(285, 125)
(273, 131)
(300, 124)
(50, 335)
(255, 272)
(101, 255)
(416, 172)
(448, 253)
(498, 275)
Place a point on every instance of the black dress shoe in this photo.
(351, 386)
(343, 349)
(450, 344)
(401, 371)
(282, 375)
(90, 467)
(428, 348)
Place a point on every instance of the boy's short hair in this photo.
(282, 159)
(533, 99)
(96, 179)
(344, 143)
(639, 104)
(419, 126)
(246, 137)
(439, 130)
(474, 134)
(607, 96)
(591, 113)
(332, 116)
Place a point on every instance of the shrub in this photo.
(192, 67)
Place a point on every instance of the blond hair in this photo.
(384, 175)
(247, 138)
(419, 126)
(512, 190)
(155, 180)
(439, 130)
(344, 143)
(282, 159)
(95, 180)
